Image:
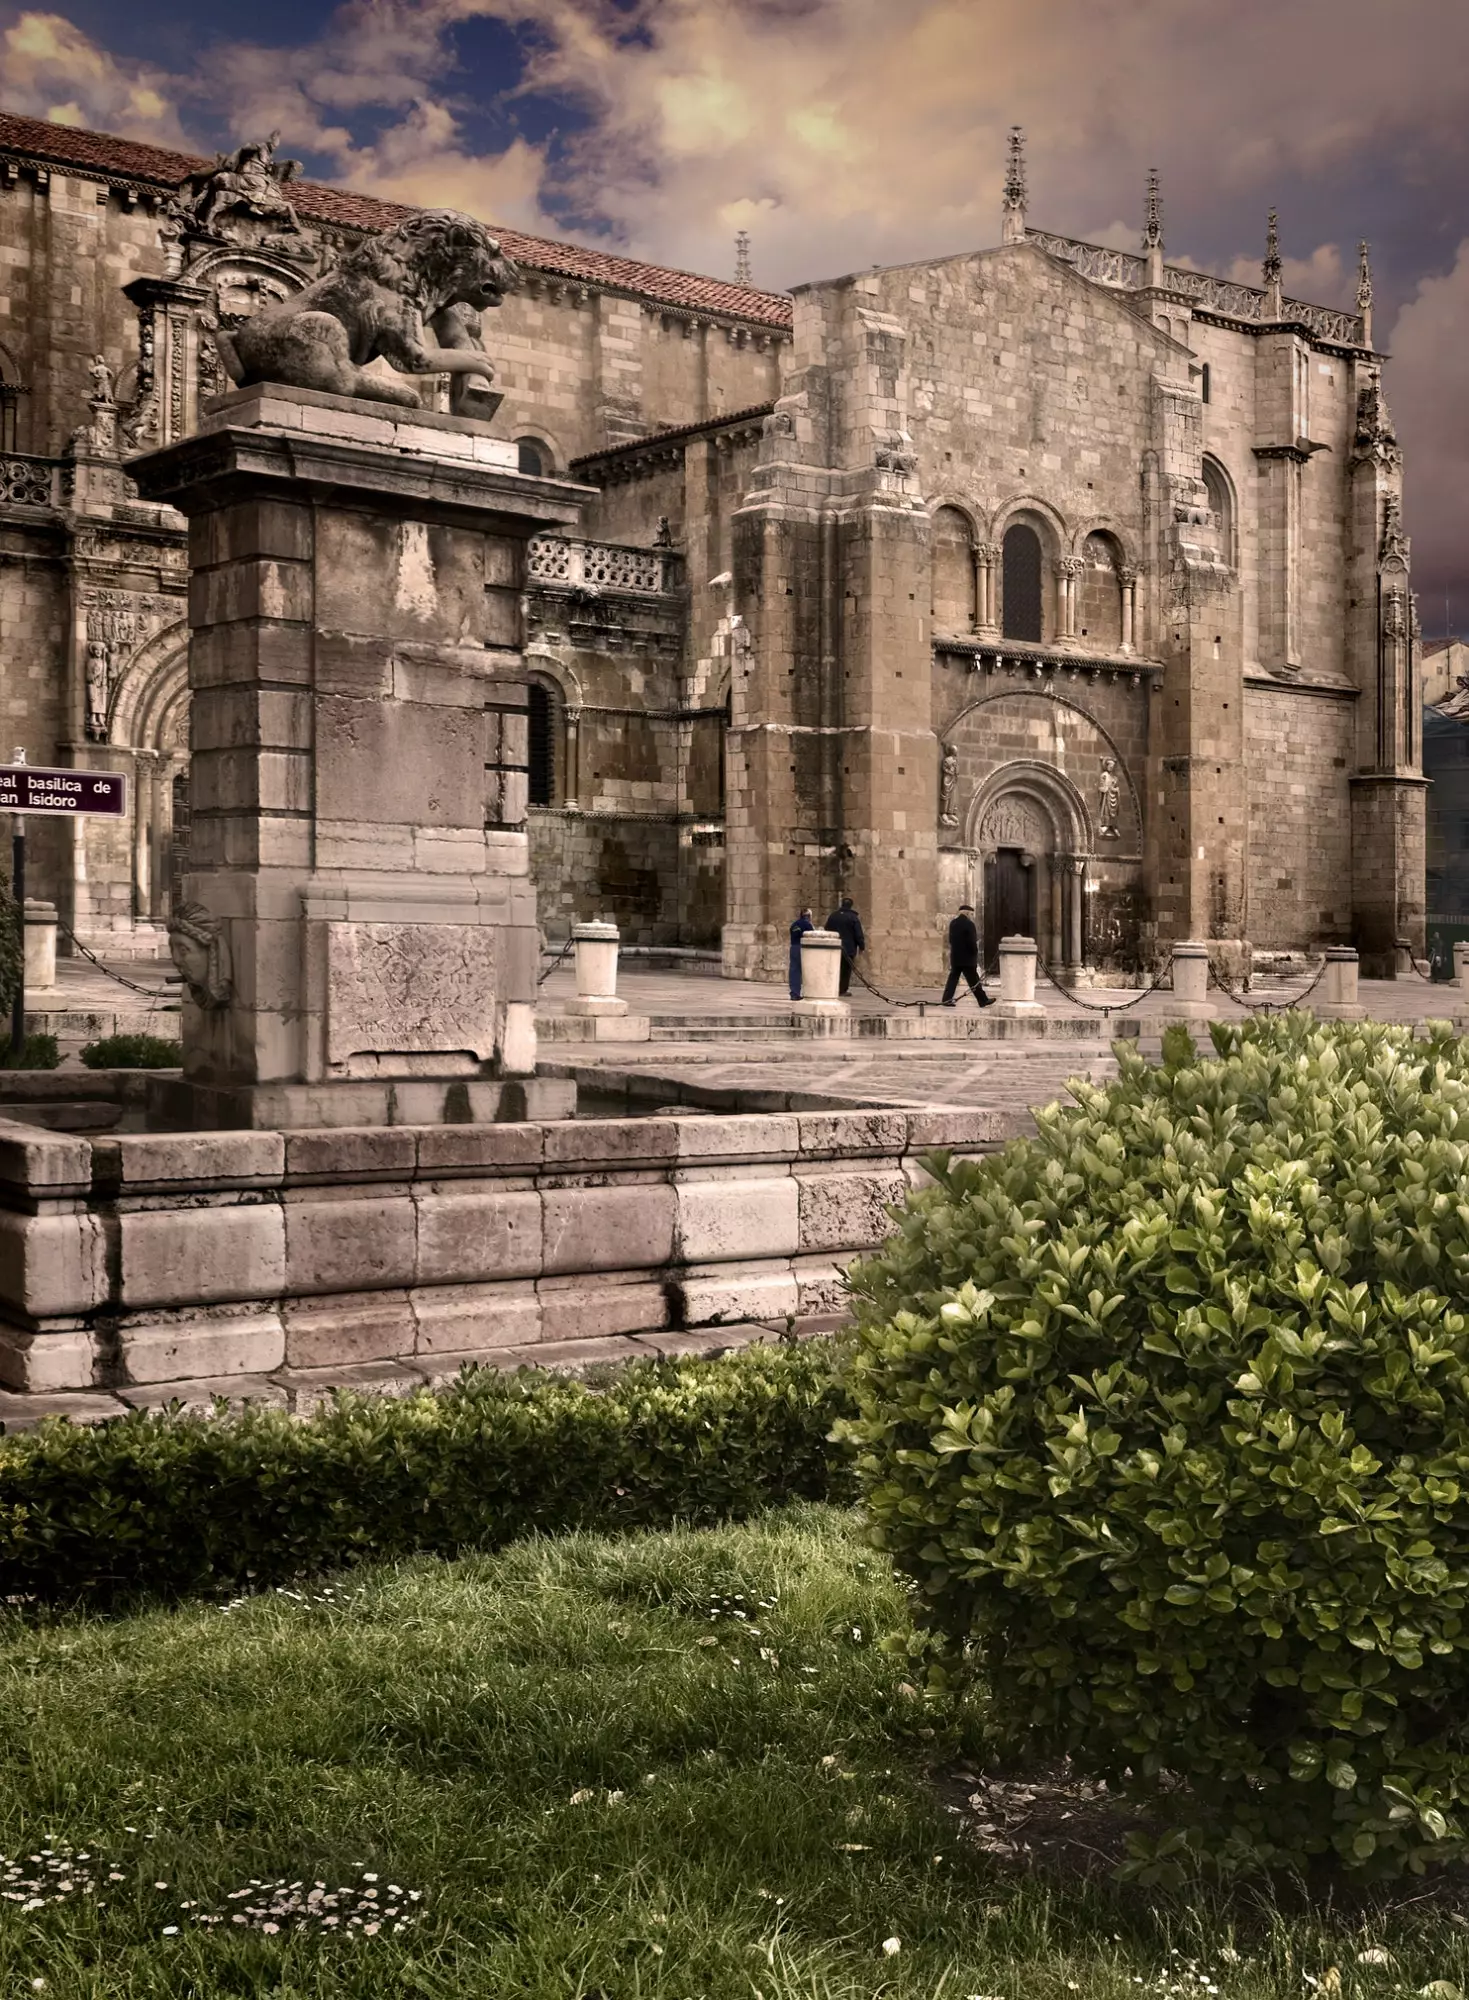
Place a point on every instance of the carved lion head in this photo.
(440, 259)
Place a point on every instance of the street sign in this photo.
(29, 789)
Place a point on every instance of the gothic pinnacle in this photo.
(1153, 230)
(1013, 211)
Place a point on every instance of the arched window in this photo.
(953, 572)
(1221, 504)
(541, 745)
(1099, 594)
(532, 457)
(1020, 594)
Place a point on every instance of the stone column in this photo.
(987, 557)
(1338, 1000)
(1067, 571)
(1073, 876)
(1191, 981)
(1127, 579)
(596, 970)
(821, 966)
(1461, 956)
(1017, 999)
(358, 932)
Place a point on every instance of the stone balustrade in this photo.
(561, 562)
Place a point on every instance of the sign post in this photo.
(26, 788)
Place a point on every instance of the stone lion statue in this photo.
(412, 297)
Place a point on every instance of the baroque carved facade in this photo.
(1064, 581)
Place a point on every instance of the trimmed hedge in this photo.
(133, 1052)
(36, 1052)
(173, 1503)
(1165, 1413)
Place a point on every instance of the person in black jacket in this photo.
(848, 927)
(964, 957)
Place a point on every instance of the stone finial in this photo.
(1271, 267)
(1153, 227)
(1012, 225)
(742, 257)
(1153, 230)
(1364, 291)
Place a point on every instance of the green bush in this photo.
(36, 1052)
(133, 1052)
(1165, 1413)
(174, 1503)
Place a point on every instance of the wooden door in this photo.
(1008, 902)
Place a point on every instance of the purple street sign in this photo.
(29, 789)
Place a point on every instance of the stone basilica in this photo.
(1063, 580)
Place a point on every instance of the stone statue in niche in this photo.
(198, 946)
(412, 297)
(1109, 801)
(99, 688)
(948, 785)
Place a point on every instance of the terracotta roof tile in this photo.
(70, 146)
(675, 432)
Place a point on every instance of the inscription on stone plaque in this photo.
(423, 988)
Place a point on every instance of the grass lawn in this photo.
(572, 1770)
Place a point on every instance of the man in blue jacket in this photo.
(964, 958)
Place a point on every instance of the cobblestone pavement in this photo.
(768, 1066)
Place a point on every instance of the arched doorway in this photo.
(1030, 838)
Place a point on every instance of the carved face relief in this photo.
(200, 950)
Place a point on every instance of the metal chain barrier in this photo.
(1268, 1006)
(155, 994)
(1108, 1007)
(560, 959)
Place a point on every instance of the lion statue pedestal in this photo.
(358, 857)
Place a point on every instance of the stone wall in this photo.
(171, 1258)
(1299, 750)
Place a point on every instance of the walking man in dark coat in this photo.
(848, 927)
(964, 957)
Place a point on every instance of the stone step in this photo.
(302, 1390)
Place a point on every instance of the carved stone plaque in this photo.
(409, 989)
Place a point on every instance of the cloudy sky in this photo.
(842, 133)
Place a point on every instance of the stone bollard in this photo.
(1338, 1001)
(1461, 958)
(596, 970)
(1191, 982)
(821, 969)
(1017, 980)
(40, 945)
(1402, 958)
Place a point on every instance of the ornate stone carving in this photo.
(1109, 801)
(412, 297)
(1396, 547)
(248, 183)
(199, 947)
(948, 785)
(102, 380)
(1375, 441)
(1012, 821)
